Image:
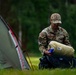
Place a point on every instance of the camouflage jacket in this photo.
(47, 35)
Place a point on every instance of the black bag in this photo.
(74, 62)
(57, 62)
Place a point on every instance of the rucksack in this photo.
(48, 62)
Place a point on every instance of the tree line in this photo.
(31, 16)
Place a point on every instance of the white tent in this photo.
(10, 52)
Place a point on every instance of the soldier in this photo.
(54, 32)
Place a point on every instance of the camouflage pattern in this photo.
(48, 35)
(55, 18)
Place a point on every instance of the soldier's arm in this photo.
(66, 41)
(42, 41)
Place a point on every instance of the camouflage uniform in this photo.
(47, 35)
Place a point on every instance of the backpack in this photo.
(48, 62)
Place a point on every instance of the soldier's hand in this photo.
(47, 52)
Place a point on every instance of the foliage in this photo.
(33, 16)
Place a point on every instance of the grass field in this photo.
(36, 71)
(39, 72)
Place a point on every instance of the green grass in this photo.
(35, 71)
(34, 59)
(39, 72)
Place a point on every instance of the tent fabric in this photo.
(10, 52)
(3, 62)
